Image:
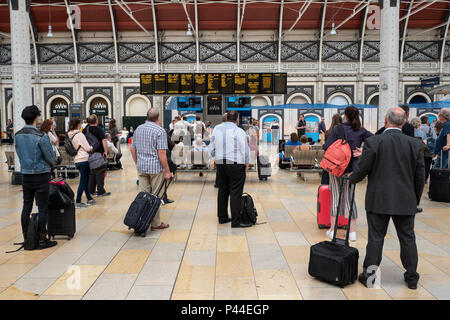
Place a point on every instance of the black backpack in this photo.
(32, 240)
(248, 211)
(69, 146)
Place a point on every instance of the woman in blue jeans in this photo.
(81, 144)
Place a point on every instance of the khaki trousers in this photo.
(151, 183)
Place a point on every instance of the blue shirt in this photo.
(441, 140)
(229, 142)
(418, 133)
(147, 140)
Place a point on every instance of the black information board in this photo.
(173, 83)
(266, 83)
(146, 83)
(187, 83)
(227, 83)
(200, 84)
(252, 86)
(159, 82)
(214, 105)
(239, 83)
(279, 83)
(213, 83)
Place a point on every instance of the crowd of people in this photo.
(397, 161)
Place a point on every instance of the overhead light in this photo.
(50, 33)
(333, 30)
(189, 31)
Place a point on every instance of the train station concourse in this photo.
(205, 150)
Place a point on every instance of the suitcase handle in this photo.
(339, 208)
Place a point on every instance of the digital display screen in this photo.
(187, 83)
(239, 83)
(146, 83)
(173, 83)
(226, 83)
(252, 83)
(189, 102)
(214, 105)
(280, 83)
(200, 84)
(266, 86)
(213, 83)
(238, 102)
(159, 81)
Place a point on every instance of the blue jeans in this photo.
(83, 167)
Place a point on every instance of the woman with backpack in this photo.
(355, 136)
(81, 144)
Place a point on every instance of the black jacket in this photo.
(407, 129)
(395, 166)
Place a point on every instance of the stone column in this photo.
(21, 67)
(389, 57)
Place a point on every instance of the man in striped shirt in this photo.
(149, 154)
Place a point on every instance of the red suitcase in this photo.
(324, 209)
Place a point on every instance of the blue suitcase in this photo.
(142, 211)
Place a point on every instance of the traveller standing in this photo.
(148, 151)
(301, 126)
(322, 130)
(81, 144)
(97, 139)
(275, 132)
(443, 140)
(355, 136)
(230, 150)
(36, 158)
(394, 165)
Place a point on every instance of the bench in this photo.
(67, 165)
(306, 161)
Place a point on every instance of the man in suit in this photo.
(395, 168)
(407, 128)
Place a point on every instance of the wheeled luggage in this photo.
(142, 211)
(264, 167)
(324, 209)
(440, 183)
(335, 261)
(61, 220)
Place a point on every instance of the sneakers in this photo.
(91, 202)
(45, 242)
(104, 194)
(81, 205)
(352, 236)
(330, 234)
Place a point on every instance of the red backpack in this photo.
(338, 155)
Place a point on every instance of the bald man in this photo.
(395, 168)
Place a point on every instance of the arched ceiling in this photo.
(217, 15)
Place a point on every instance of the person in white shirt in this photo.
(200, 127)
(229, 148)
(123, 137)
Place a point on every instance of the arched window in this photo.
(339, 100)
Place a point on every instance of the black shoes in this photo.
(363, 279)
(104, 194)
(44, 242)
(412, 285)
(167, 201)
(242, 225)
(419, 210)
(224, 221)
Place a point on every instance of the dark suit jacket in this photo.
(395, 165)
(407, 129)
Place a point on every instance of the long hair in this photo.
(73, 123)
(352, 114)
(337, 119)
(112, 124)
(46, 126)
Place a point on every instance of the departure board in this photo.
(279, 83)
(159, 82)
(200, 84)
(239, 83)
(146, 83)
(214, 105)
(187, 83)
(226, 83)
(213, 83)
(266, 81)
(173, 83)
(252, 86)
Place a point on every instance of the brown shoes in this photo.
(161, 226)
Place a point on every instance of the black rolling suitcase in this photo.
(142, 211)
(440, 184)
(335, 261)
(264, 167)
(61, 220)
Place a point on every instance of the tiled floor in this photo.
(198, 259)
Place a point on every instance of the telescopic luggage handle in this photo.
(339, 208)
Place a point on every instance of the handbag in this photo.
(97, 162)
(60, 193)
